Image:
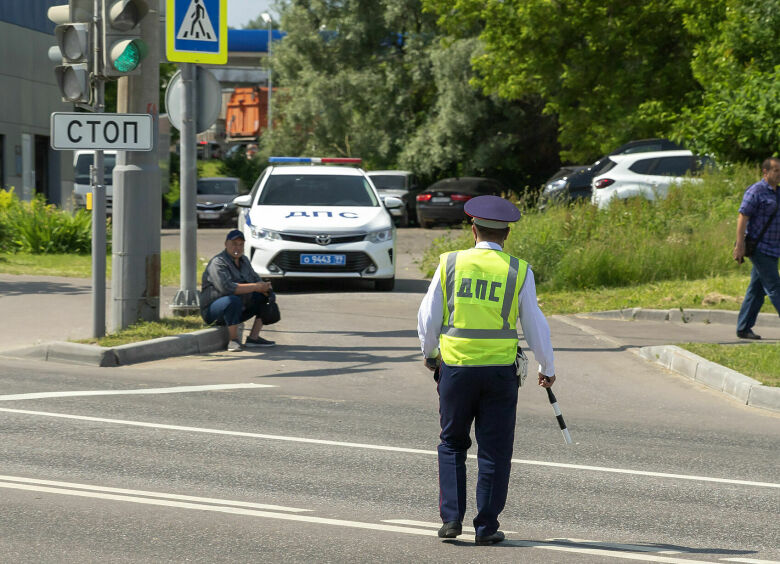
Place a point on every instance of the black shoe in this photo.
(259, 342)
(748, 335)
(498, 536)
(450, 530)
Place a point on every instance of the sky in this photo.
(240, 12)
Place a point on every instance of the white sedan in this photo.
(318, 221)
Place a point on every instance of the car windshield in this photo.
(388, 181)
(220, 187)
(317, 190)
(84, 161)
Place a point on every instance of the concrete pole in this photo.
(99, 230)
(270, 86)
(187, 299)
(137, 205)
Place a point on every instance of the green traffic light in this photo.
(127, 55)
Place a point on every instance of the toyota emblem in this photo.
(322, 239)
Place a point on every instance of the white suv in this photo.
(318, 221)
(643, 175)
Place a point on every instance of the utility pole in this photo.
(137, 205)
(187, 299)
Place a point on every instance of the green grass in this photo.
(718, 292)
(80, 266)
(149, 330)
(760, 361)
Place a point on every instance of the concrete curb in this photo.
(725, 317)
(742, 388)
(199, 342)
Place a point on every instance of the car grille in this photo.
(357, 261)
(334, 239)
(210, 207)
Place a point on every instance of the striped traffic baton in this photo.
(558, 415)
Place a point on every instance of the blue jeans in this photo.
(764, 280)
(230, 310)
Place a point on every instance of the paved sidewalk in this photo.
(40, 314)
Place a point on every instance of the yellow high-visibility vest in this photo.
(480, 288)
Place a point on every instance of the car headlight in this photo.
(555, 185)
(259, 233)
(380, 236)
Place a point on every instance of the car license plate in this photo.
(207, 214)
(440, 200)
(328, 260)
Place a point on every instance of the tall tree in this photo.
(735, 62)
(469, 134)
(610, 70)
(354, 78)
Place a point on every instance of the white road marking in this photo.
(217, 508)
(232, 507)
(175, 390)
(382, 447)
(607, 553)
(751, 561)
(429, 524)
(615, 546)
(89, 487)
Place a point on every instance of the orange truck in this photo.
(247, 113)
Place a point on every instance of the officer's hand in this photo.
(546, 381)
(263, 287)
(432, 363)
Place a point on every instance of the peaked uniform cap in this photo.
(492, 211)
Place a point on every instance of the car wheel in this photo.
(385, 284)
(422, 223)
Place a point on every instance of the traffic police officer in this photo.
(467, 325)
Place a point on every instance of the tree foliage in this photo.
(609, 70)
(735, 62)
(371, 79)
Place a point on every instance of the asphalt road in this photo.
(325, 452)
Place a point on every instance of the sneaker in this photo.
(259, 342)
(748, 335)
(450, 530)
(498, 536)
(234, 346)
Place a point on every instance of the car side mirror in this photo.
(244, 201)
(391, 202)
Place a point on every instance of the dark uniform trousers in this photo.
(486, 395)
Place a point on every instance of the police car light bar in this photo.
(315, 160)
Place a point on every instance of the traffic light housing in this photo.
(122, 45)
(73, 51)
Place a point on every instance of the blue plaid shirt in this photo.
(759, 203)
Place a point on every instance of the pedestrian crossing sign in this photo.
(196, 31)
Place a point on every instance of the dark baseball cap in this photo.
(235, 234)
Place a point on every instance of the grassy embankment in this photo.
(675, 253)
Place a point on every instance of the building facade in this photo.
(30, 94)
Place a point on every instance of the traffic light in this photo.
(123, 47)
(73, 51)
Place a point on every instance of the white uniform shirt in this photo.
(532, 320)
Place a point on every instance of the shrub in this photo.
(37, 228)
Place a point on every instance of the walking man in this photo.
(467, 323)
(759, 221)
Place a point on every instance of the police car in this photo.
(306, 218)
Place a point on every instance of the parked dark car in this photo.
(215, 200)
(578, 183)
(443, 201)
(401, 184)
